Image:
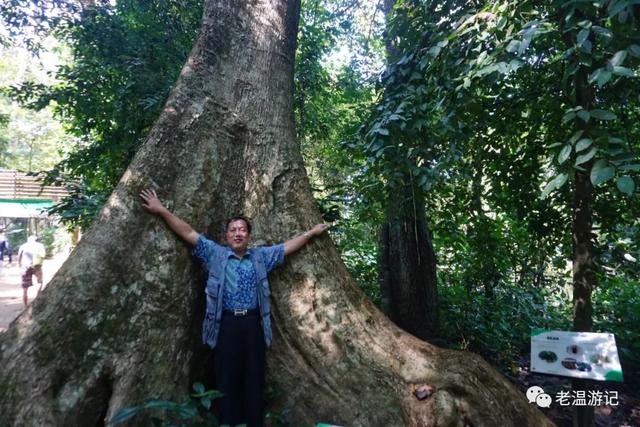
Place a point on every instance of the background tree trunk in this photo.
(407, 266)
(584, 279)
(406, 259)
(120, 322)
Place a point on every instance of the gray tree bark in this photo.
(120, 322)
(407, 265)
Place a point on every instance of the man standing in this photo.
(237, 322)
(30, 258)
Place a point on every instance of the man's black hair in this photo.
(238, 218)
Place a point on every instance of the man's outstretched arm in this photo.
(297, 242)
(152, 204)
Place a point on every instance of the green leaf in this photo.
(584, 115)
(513, 46)
(623, 71)
(206, 402)
(124, 414)
(626, 185)
(582, 36)
(601, 76)
(618, 58)
(502, 22)
(603, 115)
(585, 24)
(586, 157)
(555, 184)
(586, 46)
(159, 404)
(568, 117)
(632, 167)
(434, 51)
(601, 172)
(616, 7)
(602, 31)
(487, 70)
(583, 144)
(560, 180)
(576, 135)
(564, 154)
(634, 50)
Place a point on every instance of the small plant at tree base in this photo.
(194, 411)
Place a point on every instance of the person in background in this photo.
(237, 322)
(30, 259)
(4, 247)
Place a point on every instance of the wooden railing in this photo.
(19, 185)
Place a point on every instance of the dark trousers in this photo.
(239, 368)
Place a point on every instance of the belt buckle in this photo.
(238, 312)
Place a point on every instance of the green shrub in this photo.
(194, 411)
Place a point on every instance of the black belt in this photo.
(241, 312)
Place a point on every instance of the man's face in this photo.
(238, 236)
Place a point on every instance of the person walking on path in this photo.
(30, 258)
(4, 247)
(237, 322)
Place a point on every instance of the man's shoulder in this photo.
(266, 249)
(212, 245)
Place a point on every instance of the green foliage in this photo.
(192, 412)
(474, 112)
(331, 99)
(4, 140)
(125, 59)
(47, 238)
(617, 310)
(29, 140)
(54, 240)
(499, 328)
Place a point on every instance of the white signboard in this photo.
(585, 355)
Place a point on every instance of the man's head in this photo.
(238, 234)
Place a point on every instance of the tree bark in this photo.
(407, 266)
(584, 279)
(120, 322)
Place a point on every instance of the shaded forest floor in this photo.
(625, 414)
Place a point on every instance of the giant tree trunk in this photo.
(120, 321)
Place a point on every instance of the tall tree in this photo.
(406, 259)
(112, 328)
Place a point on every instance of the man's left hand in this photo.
(318, 229)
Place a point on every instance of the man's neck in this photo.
(240, 254)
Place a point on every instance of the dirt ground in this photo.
(11, 304)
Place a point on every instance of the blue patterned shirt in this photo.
(239, 284)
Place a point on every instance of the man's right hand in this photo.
(152, 204)
(150, 201)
